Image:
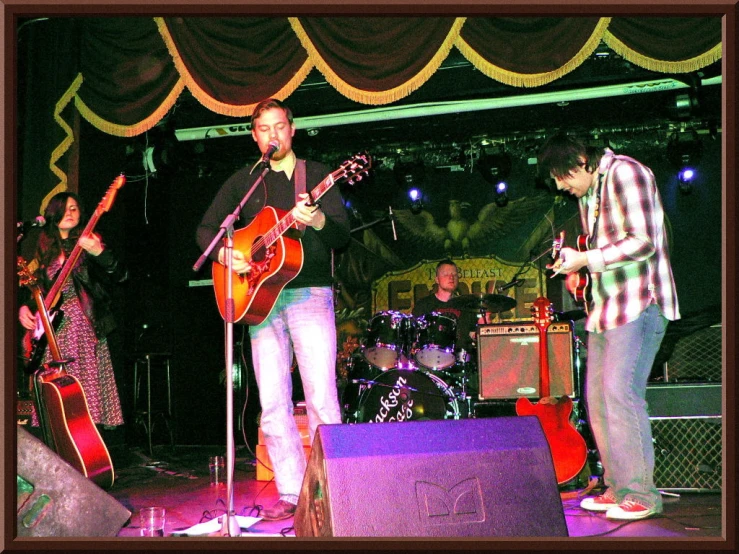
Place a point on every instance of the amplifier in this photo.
(508, 360)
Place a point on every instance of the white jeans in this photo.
(303, 322)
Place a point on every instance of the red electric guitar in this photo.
(62, 408)
(34, 342)
(276, 256)
(569, 451)
(578, 284)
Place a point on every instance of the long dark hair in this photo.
(50, 243)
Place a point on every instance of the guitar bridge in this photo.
(260, 268)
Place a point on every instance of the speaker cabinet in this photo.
(687, 453)
(55, 500)
(508, 360)
(686, 429)
(436, 478)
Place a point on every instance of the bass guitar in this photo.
(569, 451)
(578, 283)
(62, 407)
(276, 256)
(34, 341)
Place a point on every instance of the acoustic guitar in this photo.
(578, 283)
(276, 255)
(569, 451)
(62, 407)
(34, 341)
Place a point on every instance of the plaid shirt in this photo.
(629, 262)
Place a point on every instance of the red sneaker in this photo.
(601, 503)
(630, 510)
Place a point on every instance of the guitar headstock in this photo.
(26, 277)
(355, 168)
(543, 312)
(109, 197)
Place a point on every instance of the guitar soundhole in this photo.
(258, 254)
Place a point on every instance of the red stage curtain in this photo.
(377, 60)
(132, 69)
(230, 64)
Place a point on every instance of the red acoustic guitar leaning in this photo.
(569, 451)
(276, 255)
(62, 407)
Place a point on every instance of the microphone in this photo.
(38, 222)
(392, 221)
(272, 147)
(514, 283)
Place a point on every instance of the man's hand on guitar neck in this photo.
(309, 214)
(569, 261)
(239, 263)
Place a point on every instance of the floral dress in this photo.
(90, 358)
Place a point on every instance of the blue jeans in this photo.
(302, 322)
(619, 363)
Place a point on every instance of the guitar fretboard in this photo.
(289, 220)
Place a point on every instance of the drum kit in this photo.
(411, 368)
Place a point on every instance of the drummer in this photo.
(447, 282)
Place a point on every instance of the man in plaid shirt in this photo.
(633, 297)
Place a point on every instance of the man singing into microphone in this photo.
(302, 319)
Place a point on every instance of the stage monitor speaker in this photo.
(508, 360)
(434, 478)
(55, 500)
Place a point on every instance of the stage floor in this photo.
(177, 479)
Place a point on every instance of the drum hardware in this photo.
(493, 303)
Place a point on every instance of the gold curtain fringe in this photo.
(534, 79)
(137, 128)
(377, 97)
(241, 110)
(66, 142)
(662, 66)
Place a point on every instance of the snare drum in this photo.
(388, 335)
(435, 338)
(404, 395)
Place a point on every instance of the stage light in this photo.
(686, 175)
(501, 194)
(416, 200)
(684, 152)
(409, 172)
(494, 166)
(685, 180)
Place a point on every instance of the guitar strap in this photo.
(300, 186)
(598, 199)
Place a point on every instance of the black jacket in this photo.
(91, 277)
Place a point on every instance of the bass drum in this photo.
(405, 395)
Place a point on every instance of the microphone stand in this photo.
(386, 217)
(230, 526)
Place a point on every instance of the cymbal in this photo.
(483, 302)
